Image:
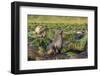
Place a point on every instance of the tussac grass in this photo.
(70, 25)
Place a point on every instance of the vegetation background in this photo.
(69, 24)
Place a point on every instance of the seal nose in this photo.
(61, 31)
